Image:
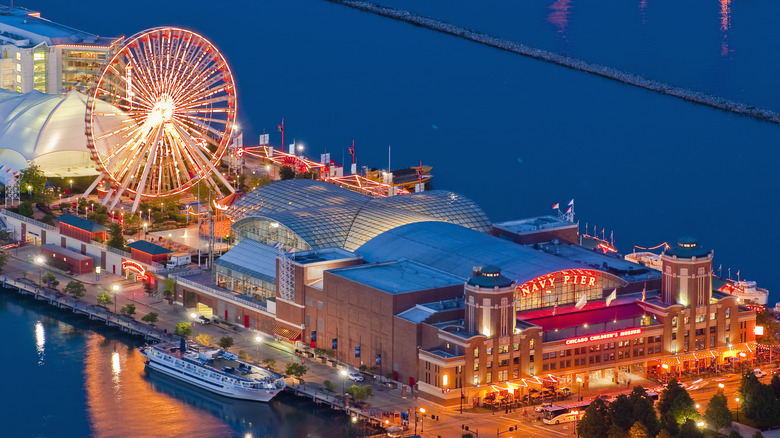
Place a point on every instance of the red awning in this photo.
(288, 333)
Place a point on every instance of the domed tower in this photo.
(687, 274)
(490, 303)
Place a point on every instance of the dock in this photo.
(93, 312)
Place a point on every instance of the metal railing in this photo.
(28, 220)
(235, 298)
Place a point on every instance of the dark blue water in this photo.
(68, 377)
(514, 134)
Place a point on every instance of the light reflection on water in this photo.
(40, 341)
(127, 406)
(725, 25)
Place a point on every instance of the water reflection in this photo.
(40, 341)
(643, 10)
(560, 16)
(128, 406)
(725, 25)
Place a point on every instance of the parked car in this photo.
(542, 406)
(355, 376)
(759, 373)
(203, 320)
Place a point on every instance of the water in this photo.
(515, 135)
(68, 377)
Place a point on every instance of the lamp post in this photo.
(145, 229)
(576, 417)
(422, 419)
(259, 341)
(116, 289)
(344, 382)
(29, 190)
(39, 259)
(97, 273)
(742, 362)
(71, 186)
(737, 409)
(579, 388)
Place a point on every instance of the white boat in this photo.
(747, 292)
(217, 371)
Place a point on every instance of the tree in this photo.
(183, 328)
(128, 309)
(616, 431)
(243, 355)
(689, 429)
(758, 401)
(170, 288)
(286, 172)
(594, 423)
(75, 288)
(116, 240)
(150, 317)
(33, 180)
(225, 342)
(663, 434)
(25, 209)
(775, 384)
(104, 299)
(638, 430)
(771, 328)
(330, 386)
(50, 279)
(203, 339)
(149, 289)
(621, 413)
(269, 363)
(296, 370)
(644, 410)
(735, 434)
(717, 415)
(675, 404)
(360, 393)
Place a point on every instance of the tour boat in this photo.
(214, 370)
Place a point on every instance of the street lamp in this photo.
(39, 259)
(742, 362)
(259, 341)
(71, 186)
(116, 289)
(145, 229)
(344, 382)
(422, 419)
(29, 190)
(737, 409)
(300, 149)
(579, 388)
(576, 417)
(97, 273)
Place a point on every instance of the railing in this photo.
(110, 248)
(29, 220)
(238, 299)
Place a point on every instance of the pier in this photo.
(96, 313)
(566, 61)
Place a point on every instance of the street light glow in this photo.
(259, 339)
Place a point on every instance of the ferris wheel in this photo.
(161, 115)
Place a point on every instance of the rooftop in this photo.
(65, 251)
(490, 277)
(251, 258)
(322, 255)
(398, 277)
(148, 247)
(28, 24)
(533, 224)
(688, 247)
(81, 223)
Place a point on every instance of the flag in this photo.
(611, 297)
(555, 307)
(292, 250)
(277, 245)
(281, 127)
(571, 203)
(581, 303)
(568, 210)
(556, 205)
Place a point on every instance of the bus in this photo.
(558, 414)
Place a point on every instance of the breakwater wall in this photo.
(566, 61)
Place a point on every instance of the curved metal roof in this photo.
(324, 215)
(455, 249)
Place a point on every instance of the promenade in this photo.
(384, 407)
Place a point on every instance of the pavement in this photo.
(434, 423)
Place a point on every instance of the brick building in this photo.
(81, 229)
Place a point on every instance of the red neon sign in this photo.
(135, 267)
(603, 336)
(581, 277)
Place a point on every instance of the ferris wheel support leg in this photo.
(142, 182)
(94, 184)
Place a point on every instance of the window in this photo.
(728, 326)
(516, 347)
(489, 377)
(516, 360)
(545, 356)
(728, 313)
(553, 355)
(700, 318)
(674, 335)
(489, 351)
(490, 364)
(712, 316)
(18, 56)
(712, 341)
(674, 322)
(18, 67)
(516, 373)
(476, 353)
(712, 329)
(545, 367)
(503, 362)
(728, 339)
(18, 79)
(476, 366)
(552, 366)
(686, 320)
(531, 344)
(503, 349)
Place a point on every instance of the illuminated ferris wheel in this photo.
(161, 114)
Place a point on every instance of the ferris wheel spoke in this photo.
(198, 152)
(204, 129)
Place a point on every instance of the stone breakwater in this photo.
(566, 61)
